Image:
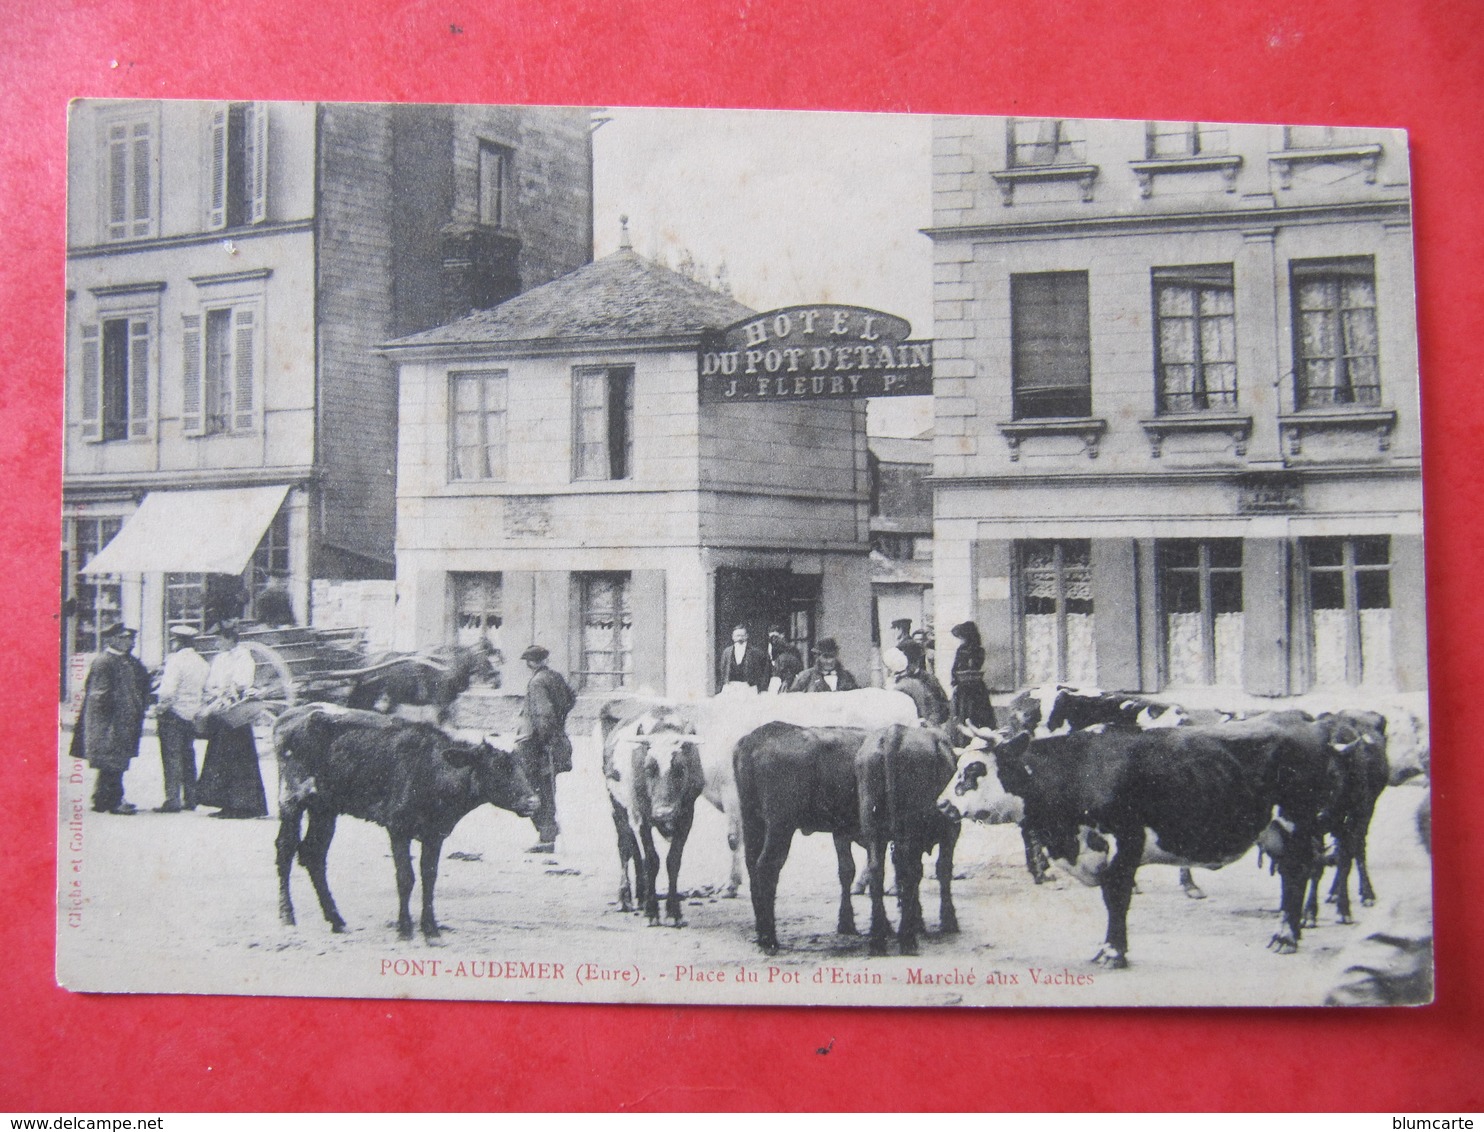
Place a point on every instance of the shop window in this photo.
(607, 627)
(1057, 641)
(220, 385)
(116, 363)
(495, 180)
(270, 567)
(1183, 139)
(238, 144)
(603, 422)
(1201, 597)
(185, 600)
(1052, 345)
(1046, 141)
(129, 160)
(477, 425)
(1350, 611)
(477, 610)
(97, 601)
(1195, 338)
(1336, 346)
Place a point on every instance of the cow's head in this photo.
(498, 771)
(975, 792)
(667, 767)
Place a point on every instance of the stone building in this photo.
(901, 535)
(561, 482)
(230, 268)
(1176, 424)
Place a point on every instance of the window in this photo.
(1195, 338)
(1324, 137)
(97, 601)
(1052, 345)
(607, 660)
(477, 608)
(604, 425)
(238, 144)
(1183, 139)
(495, 168)
(1056, 612)
(1046, 141)
(129, 160)
(116, 362)
(185, 600)
(221, 349)
(477, 425)
(271, 558)
(1350, 610)
(1334, 325)
(1201, 597)
(901, 548)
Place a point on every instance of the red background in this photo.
(1415, 65)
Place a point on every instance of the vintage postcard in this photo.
(622, 555)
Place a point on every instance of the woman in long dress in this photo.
(970, 696)
(230, 777)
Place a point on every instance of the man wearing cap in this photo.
(543, 739)
(113, 703)
(182, 685)
(827, 675)
(784, 660)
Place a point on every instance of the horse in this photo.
(429, 679)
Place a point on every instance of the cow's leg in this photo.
(907, 861)
(1035, 855)
(1118, 893)
(876, 875)
(1188, 884)
(678, 838)
(1294, 867)
(651, 873)
(762, 878)
(286, 845)
(733, 813)
(402, 860)
(1362, 829)
(947, 915)
(314, 851)
(432, 849)
(845, 870)
(628, 852)
(1344, 855)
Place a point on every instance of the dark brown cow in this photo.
(1360, 737)
(409, 778)
(899, 772)
(432, 680)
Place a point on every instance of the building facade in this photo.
(231, 267)
(561, 483)
(1177, 440)
(901, 537)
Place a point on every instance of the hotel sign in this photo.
(815, 352)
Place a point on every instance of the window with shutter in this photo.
(238, 144)
(244, 376)
(139, 347)
(92, 369)
(191, 419)
(217, 146)
(1051, 336)
(257, 163)
(117, 354)
(128, 177)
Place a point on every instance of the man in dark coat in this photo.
(912, 677)
(742, 663)
(784, 659)
(827, 675)
(548, 751)
(114, 700)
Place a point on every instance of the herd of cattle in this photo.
(1099, 784)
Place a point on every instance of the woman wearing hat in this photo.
(114, 700)
(230, 778)
(970, 696)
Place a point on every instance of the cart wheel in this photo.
(273, 679)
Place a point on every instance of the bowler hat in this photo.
(536, 653)
(828, 646)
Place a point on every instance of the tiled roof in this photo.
(622, 295)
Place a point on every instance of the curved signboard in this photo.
(815, 352)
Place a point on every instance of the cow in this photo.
(652, 767)
(1104, 802)
(429, 681)
(1365, 772)
(410, 778)
(899, 772)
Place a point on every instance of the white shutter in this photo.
(142, 173)
(191, 423)
(216, 146)
(244, 377)
(92, 379)
(139, 346)
(257, 162)
(116, 178)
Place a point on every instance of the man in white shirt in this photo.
(182, 684)
(743, 663)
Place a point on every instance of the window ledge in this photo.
(1089, 429)
(1007, 179)
(1368, 155)
(1293, 426)
(1239, 428)
(1223, 163)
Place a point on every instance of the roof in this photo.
(622, 295)
(901, 449)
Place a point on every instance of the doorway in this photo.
(760, 599)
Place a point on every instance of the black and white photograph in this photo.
(605, 554)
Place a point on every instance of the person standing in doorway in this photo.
(543, 739)
(913, 678)
(114, 700)
(230, 777)
(970, 695)
(182, 686)
(784, 660)
(902, 626)
(742, 663)
(827, 675)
